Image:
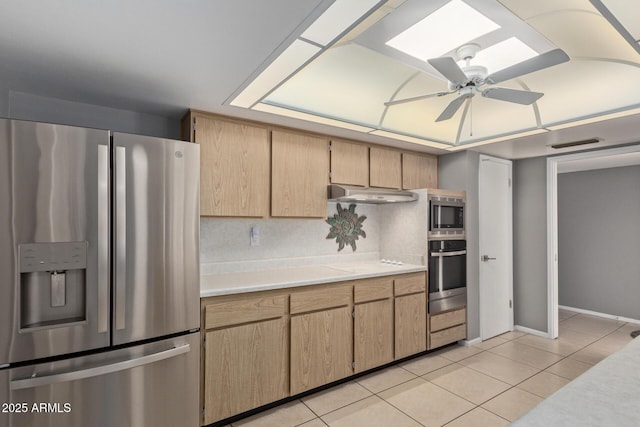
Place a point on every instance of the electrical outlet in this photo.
(254, 239)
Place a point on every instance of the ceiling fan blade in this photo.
(449, 69)
(453, 107)
(512, 95)
(540, 62)
(415, 98)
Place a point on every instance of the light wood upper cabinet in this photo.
(234, 168)
(299, 179)
(419, 171)
(385, 168)
(349, 163)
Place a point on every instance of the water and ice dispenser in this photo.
(52, 284)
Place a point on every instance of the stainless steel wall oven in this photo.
(447, 275)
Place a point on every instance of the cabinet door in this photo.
(419, 171)
(234, 168)
(349, 163)
(411, 324)
(245, 367)
(300, 175)
(373, 334)
(385, 168)
(321, 348)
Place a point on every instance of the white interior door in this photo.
(496, 246)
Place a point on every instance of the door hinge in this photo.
(204, 342)
(510, 304)
(353, 365)
(353, 314)
(329, 146)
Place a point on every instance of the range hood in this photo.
(349, 193)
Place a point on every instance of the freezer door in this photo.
(156, 282)
(54, 243)
(150, 385)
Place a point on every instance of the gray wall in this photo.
(459, 171)
(530, 243)
(4, 101)
(599, 240)
(24, 106)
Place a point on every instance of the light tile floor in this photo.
(489, 384)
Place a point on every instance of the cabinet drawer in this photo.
(447, 336)
(229, 313)
(305, 301)
(448, 319)
(373, 289)
(410, 283)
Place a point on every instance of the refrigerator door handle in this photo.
(120, 237)
(103, 238)
(98, 370)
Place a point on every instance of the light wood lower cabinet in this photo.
(246, 354)
(410, 324)
(245, 367)
(321, 336)
(264, 346)
(321, 348)
(410, 314)
(373, 323)
(447, 327)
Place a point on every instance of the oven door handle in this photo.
(443, 254)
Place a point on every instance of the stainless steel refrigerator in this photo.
(99, 278)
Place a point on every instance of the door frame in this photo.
(509, 163)
(553, 166)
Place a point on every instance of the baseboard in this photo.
(469, 343)
(598, 314)
(531, 331)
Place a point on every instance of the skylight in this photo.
(504, 54)
(454, 24)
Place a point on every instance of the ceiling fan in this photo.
(468, 80)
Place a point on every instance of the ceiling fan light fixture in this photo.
(450, 26)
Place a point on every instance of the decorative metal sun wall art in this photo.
(346, 227)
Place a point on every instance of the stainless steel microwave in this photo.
(446, 217)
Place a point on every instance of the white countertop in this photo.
(252, 281)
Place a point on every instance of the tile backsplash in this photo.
(395, 231)
(225, 242)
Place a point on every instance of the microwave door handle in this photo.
(120, 237)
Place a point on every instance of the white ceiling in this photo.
(163, 57)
